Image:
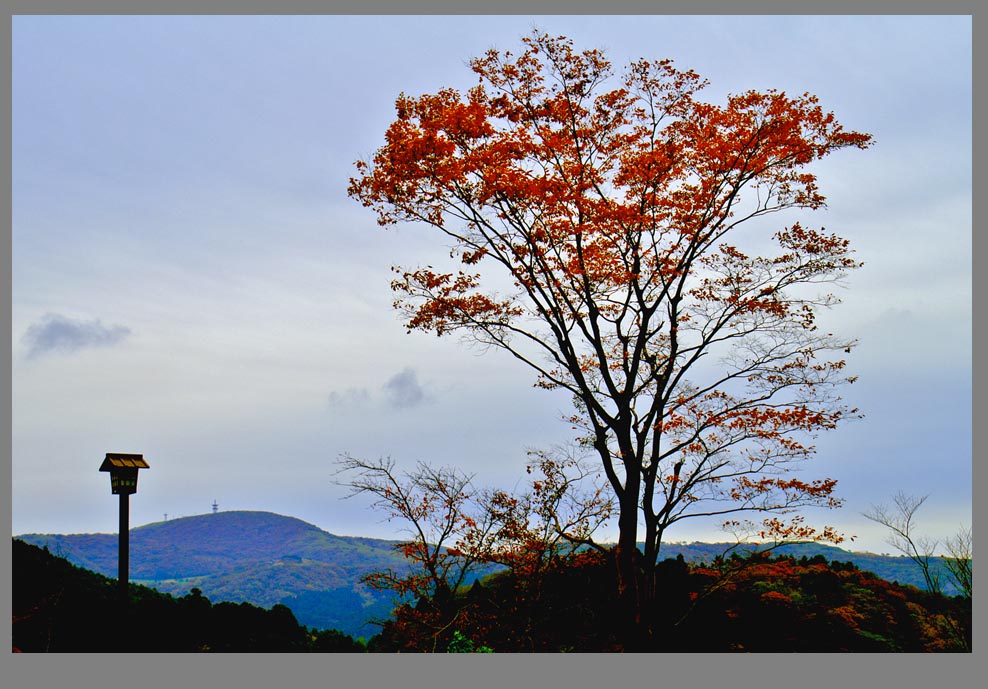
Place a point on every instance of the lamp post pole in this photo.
(123, 563)
(123, 470)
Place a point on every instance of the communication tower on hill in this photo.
(216, 507)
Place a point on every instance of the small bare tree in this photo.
(960, 549)
(454, 528)
(899, 520)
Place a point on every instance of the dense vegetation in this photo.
(58, 607)
(899, 568)
(267, 559)
(761, 603)
(254, 557)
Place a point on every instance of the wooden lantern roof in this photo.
(116, 461)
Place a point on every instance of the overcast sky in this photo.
(191, 281)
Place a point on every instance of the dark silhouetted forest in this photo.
(58, 607)
(244, 556)
(762, 603)
(759, 603)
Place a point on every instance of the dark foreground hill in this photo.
(255, 557)
(758, 604)
(267, 559)
(58, 607)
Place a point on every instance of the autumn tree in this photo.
(598, 218)
(537, 529)
(449, 535)
(435, 506)
(455, 529)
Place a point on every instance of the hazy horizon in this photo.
(850, 547)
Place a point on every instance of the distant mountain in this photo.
(265, 559)
(254, 557)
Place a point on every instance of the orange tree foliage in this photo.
(610, 202)
(535, 532)
(761, 604)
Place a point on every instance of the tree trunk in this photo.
(647, 567)
(629, 580)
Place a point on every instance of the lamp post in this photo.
(123, 482)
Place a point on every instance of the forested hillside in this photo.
(255, 557)
(58, 607)
(758, 604)
(267, 559)
(896, 568)
(754, 604)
